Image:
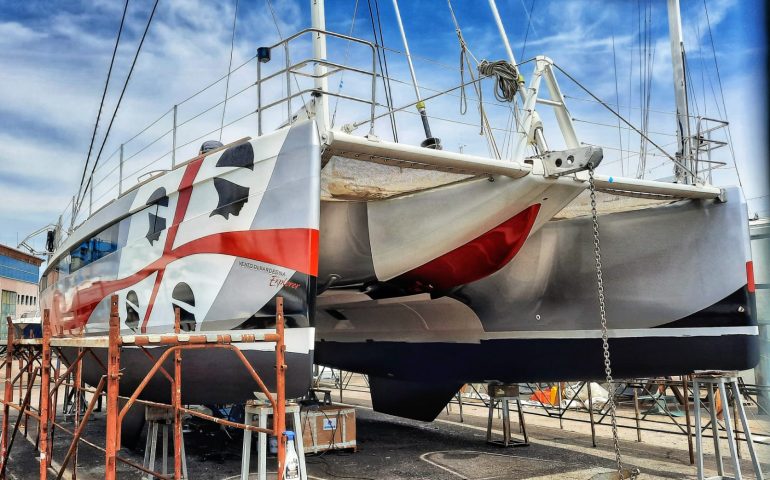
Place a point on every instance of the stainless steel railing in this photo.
(104, 187)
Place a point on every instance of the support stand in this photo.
(502, 394)
(262, 412)
(720, 381)
(163, 419)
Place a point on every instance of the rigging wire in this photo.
(710, 77)
(280, 37)
(382, 59)
(229, 71)
(639, 166)
(722, 93)
(630, 96)
(604, 104)
(529, 24)
(690, 91)
(617, 99)
(347, 56)
(647, 62)
(117, 106)
(485, 127)
(104, 95)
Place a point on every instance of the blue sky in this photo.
(55, 57)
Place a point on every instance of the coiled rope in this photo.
(506, 76)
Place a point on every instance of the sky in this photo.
(55, 57)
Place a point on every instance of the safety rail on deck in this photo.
(285, 73)
(703, 143)
(288, 71)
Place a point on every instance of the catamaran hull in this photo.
(220, 238)
(678, 281)
(211, 376)
(440, 238)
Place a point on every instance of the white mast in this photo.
(321, 83)
(684, 153)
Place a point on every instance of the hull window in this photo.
(184, 299)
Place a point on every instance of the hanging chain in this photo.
(605, 335)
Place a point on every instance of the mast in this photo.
(684, 153)
(321, 83)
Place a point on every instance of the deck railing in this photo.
(265, 95)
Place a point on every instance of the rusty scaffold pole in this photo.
(279, 417)
(26, 350)
(113, 382)
(45, 384)
(176, 401)
(8, 396)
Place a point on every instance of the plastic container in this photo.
(291, 469)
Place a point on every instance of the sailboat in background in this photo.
(421, 267)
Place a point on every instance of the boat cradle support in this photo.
(36, 355)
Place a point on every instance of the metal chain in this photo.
(605, 335)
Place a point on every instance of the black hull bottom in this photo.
(530, 360)
(208, 376)
(430, 373)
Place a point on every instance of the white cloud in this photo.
(54, 69)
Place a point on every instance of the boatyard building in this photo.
(19, 273)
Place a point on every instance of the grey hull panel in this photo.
(678, 300)
(659, 265)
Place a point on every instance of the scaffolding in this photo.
(35, 366)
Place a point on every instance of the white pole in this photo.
(429, 140)
(501, 29)
(120, 172)
(318, 19)
(524, 93)
(406, 50)
(680, 90)
(173, 141)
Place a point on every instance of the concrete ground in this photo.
(395, 448)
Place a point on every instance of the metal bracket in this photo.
(722, 198)
(573, 160)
